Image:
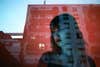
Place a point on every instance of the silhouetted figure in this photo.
(67, 45)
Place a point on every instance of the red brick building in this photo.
(37, 33)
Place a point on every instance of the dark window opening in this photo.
(65, 22)
(68, 33)
(68, 44)
(65, 17)
(68, 27)
(70, 59)
(68, 37)
(69, 49)
(78, 35)
(82, 49)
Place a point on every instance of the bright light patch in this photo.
(41, 45)
(17, 36)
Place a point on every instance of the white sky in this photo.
(13, 12)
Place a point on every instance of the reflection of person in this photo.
(67, 44)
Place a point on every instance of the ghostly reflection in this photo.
(67, 45)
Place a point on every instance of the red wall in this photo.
(92, 15)
(37, 31)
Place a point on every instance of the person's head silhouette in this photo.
(65, 33)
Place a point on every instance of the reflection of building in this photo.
(37, 34)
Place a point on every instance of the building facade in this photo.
(37, 33)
